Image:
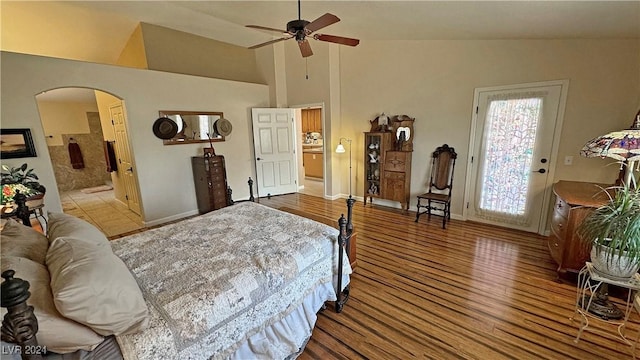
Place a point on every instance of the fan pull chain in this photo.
(306, 68)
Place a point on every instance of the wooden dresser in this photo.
(574, 201)
(210, 178)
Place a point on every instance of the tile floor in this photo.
(313, 187)
(102, 210)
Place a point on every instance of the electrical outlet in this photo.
(568, 160)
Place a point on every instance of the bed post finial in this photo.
(250, 182)
(350, 202)
(20, 324)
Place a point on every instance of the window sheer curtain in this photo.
(508, 142)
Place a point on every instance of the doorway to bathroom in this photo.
(87, 160)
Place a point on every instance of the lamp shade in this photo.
(623, 145)
(340, 149)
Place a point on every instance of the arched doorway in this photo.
(81, 139)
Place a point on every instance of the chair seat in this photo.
(434, 196)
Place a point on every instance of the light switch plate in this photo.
(568, 160)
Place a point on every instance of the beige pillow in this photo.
(69, 226)
(23, 241)
(54, 331)
(94, 287)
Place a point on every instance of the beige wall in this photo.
(180, 52)
(133, 54)
(63, 30)
(64, 118)
(164, 172)
(311, 81)
(434, 82)
(62, 121)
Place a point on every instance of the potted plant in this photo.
(613, 230)
(20, 179)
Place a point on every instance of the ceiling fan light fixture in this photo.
(299, 29)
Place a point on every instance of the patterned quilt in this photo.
(212, 281)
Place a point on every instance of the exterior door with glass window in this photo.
(512, 147)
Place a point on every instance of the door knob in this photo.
(541, 171)
(258, 159)
(543, 160)
(130, 169)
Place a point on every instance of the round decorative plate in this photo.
(223, 127)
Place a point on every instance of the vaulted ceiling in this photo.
(98, 30)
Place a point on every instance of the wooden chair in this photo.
(438, 196)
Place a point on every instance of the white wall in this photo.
(164, 172)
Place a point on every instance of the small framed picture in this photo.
(16, 143)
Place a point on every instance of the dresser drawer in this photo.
(562, 208)
(559, 225)
(555, 248)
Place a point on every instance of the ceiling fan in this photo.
(300, 29)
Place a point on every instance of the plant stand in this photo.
(589, 281)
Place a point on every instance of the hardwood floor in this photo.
(471, 291)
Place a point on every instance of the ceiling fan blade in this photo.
(323, 21)
(337, 39)
(266, 28)
(269, 42)
(305, 48)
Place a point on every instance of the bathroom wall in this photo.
(91, 144)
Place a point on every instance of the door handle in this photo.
(130, 169)
(258, 159)
(541, 171)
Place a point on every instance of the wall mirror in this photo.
(193, 126)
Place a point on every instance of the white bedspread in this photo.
(213, 281)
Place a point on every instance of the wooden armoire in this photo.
(388, 161)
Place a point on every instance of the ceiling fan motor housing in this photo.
(296, 27)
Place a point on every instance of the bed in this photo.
(245, 281)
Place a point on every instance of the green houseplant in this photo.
(613, 230)
(21, 179)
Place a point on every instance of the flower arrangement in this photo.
(9, 191)
(19, 179)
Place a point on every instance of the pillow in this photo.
(69, 226)
(23, 241)
(94, 287)
(54, 331)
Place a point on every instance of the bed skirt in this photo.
(284, 339)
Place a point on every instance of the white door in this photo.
(123, 153)
(514, 143)
(274, 145)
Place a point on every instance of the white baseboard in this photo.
(170, 218)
